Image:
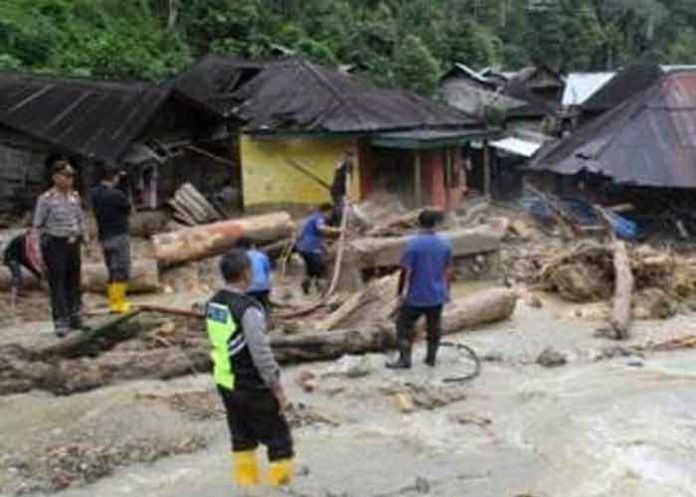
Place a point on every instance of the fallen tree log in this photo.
(375, 252)
(144, 277)
(200, 242)
(621, 307)
(482, 308)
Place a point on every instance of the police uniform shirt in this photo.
(59, 215)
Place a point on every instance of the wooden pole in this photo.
(486, 168)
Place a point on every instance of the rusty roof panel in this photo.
(649, 140)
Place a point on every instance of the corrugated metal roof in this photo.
(97, 120)
(629, 81)
(517, 146)
(294, 95)
(648, 140)
(581, 86)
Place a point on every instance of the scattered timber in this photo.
(486, 307)
(372, 252)
(75, 340)
(144, 277)
(200, 242)
(192, 207)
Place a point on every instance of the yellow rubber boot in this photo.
(246, 469)
(112, 294)
(280, 473)
(122, 305)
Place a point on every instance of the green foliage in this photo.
(415, 67)
(390, 41)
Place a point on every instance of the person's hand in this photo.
(282, 398)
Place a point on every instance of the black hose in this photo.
(472, 355)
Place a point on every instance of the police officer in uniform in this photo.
(60, 223)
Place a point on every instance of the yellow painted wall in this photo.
(267, 178)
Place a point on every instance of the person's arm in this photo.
(403, 279)
(40, 215)
(254, 323)
(84, 232)
(405, 273)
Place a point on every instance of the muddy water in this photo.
(587, 430)
(619, 428)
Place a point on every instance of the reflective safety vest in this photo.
(227, 341)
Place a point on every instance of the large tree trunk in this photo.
(489, 306)
(201, 242)
(386, 252)
(144, 277)
(621, 308)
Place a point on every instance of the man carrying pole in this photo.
(112, 208)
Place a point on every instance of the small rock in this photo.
(493, 357)
(635, 362)
(335, 390)
(550, 358)
(404, 402)
(307, 380)
(468, 418)
(356, 366)
(535, 302)
(422, 486)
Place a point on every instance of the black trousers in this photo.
(409, 316)
(117, 256)
(254, 418)
(315, 267)
(63, 264)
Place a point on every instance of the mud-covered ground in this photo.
(612, 421)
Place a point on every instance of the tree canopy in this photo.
(399, 42)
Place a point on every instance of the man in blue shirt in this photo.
(260, 284)
(426, 270)
(310, 244)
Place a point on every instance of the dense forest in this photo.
(402, 42)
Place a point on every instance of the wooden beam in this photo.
(486, 168)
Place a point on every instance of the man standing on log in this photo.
(311, 246)
(60, 224)
(112, 208)
(426, 270)
(248, 377)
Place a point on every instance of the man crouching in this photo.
(248, 377)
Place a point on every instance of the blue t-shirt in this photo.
(260, 271)
(311, 239)
(426, 257)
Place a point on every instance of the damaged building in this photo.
(296, 120)
(149, 130)
(641, 152)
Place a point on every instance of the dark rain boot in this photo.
(404, 360)
(306, 283)
(431, 353)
